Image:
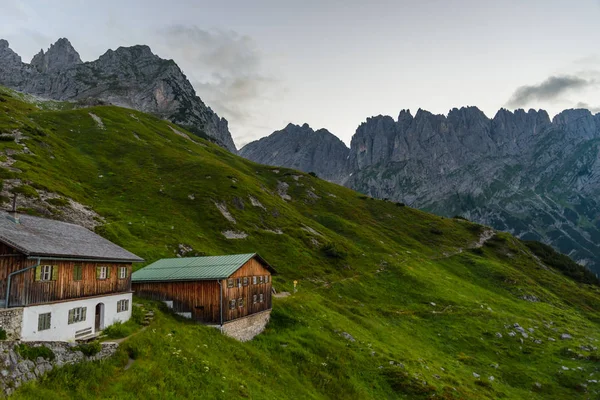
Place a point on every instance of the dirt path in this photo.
(483, 238)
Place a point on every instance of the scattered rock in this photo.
(238, 203)
(98, 120)
(512, 333)
(282, 188)
(222, 207)
(476, 375)
(191, 196)
(491, 379)
(566, 336)
(348, 336)
(234, 235)
(254, 201)
(531, 298)
(498, 335)
(551, 339)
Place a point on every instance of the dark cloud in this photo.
(593, 109)
(550, 89)
(227, 69)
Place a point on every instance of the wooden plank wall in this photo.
(201, 298)
(252, 268)
(25, 290)
(10, 260)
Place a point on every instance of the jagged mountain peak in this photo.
(132, 77)
(4, 44)
(60, 56)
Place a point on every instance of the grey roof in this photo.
(43, 237)
(195, 268)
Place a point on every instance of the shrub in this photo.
(33, 352)
(333, 250)
(2, 334)
(562, 263)
(26, 191)
(436, 231)
(133, 350)
(313, 174)
(460, 217)
(59, 201)
(6, 138)
(400, 204)
(117, 330)
(89, 349)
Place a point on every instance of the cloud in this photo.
(592, 109)
(550, 89)
(228, 70)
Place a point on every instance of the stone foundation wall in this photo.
(16, 370)
(246, 328)
(11, 320)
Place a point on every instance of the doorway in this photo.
(99, 317)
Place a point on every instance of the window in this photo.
(266, 278)
(245, 281)
(260, 298)
(254, 280)
(102, 272)
(238, 282)
(240, 302)
(45, 273)
(232, 304)
(77, 272)
(122, 305)
(122, 272)
(254, 297)
(261, 279)
(77, 314)
(44, 321)
(229, 283)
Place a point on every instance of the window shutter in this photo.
(71, 313)
(97, 272)
(108, 272)
(38, 273)
(54, 273)
(83, 313)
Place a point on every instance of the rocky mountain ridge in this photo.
(518, 171)
(131, 77)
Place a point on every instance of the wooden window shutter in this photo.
(54, 274)
(71, 314)
(83, 313)
(98, 272)
(108, 272)
(38, 273)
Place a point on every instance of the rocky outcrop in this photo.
(519, 171)
(132, 77)
(302, 148)
(16, 369)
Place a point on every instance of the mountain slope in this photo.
(519, 172)
(392, 302)
(130, 77)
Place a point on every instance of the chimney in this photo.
(14, 217)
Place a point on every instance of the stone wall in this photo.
(16, 370)
(244, 329)
(11, 320)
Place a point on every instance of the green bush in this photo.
(89, 349)
(333, 250)
(59, 201)
(313, 174)
(563, 263)
(400, 204)
(26, 191)
(2, 334)
(33, 352)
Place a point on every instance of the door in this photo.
(99, 317)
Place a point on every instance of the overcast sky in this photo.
(264, 63)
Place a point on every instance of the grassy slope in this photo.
(392, 264)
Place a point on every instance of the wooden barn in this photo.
(60, 281)
(213, 290)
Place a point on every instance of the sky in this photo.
(262, 64)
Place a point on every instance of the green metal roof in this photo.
(194, 268)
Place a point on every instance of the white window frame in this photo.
(49, 321)
(78, 315)
(46, 274)
(254, 280)
(122, 305)
(261, 298)
(103, 272)
(122, 272)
